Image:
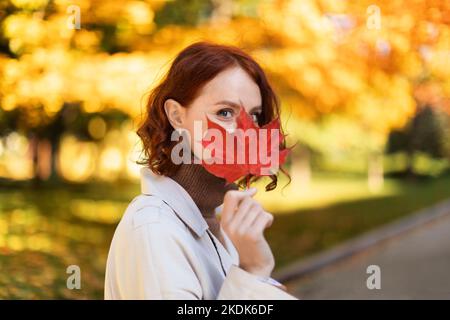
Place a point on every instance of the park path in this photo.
(414, 265)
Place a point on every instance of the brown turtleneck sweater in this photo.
(206, 190)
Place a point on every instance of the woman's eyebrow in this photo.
(257, 108)
(229, 103)
(237, 105)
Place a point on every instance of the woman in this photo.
(169, 244)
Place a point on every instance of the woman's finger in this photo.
(250, 217)
(242, 210)
(232, 200)
(263, 221)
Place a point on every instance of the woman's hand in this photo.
(244, 220)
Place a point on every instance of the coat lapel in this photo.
(171, 192)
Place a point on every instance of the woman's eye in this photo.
(225, 113)
(255, 117)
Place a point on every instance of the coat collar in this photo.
(171, 192)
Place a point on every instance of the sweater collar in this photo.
(205, 189)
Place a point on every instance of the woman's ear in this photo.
(175, 112)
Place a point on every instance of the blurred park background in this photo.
(364, 86)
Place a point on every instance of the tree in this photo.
(324, 57)
(427, 132)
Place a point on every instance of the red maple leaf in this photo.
(238, 158)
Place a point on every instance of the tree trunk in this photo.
(375, 177)
(301, 168)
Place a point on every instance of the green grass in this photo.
(44, 230)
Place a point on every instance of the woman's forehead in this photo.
(234, 86)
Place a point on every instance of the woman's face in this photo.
(220, 100)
